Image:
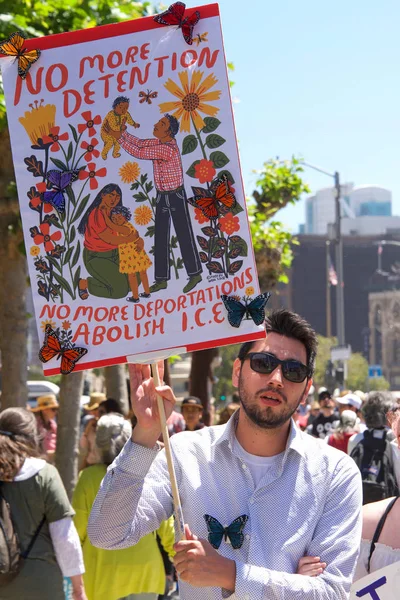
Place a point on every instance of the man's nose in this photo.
(276, 377)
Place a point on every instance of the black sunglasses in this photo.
(265, 363)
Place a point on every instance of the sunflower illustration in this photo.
(129, 172)
(47, 322)
(192, 99)
(143, 215)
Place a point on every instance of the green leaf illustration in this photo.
(149, 186)
(203, 257)
(72, 234)
(174, 241)
(64, 284)
(34, 166)
(59, 164)
(150, 231)
(71, 195)
(211, 124)
(77, 252)
(203, 243)
(228, 175)
(81, 207)
(70, 151)
(140, 197)
(179, 263)
(214, 267)
(189, 144)
(77, 277)
(214, 140)
(67, 256)
(74, 134)
(237, 209)
(191, 172)
(235, 267)
(219, 159)
(54, 262)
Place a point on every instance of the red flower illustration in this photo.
(92, 174)
(89, 123)
(90, 149)
(45, 238)
(229, 223)
(204, 171)
(55, 138)
(41, 187)
(200, 218)
(36, 202)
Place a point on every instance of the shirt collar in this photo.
(295, 440)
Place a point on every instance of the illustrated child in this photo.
(117, 119)
(131, 261)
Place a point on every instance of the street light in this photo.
(340, 329)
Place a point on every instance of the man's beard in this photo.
(266, 417)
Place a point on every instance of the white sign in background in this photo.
(76, 85)
(380, 585)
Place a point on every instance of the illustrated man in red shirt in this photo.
(171, 202)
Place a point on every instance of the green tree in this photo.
(357, 372)
(378, 384)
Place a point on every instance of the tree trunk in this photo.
(167, 374)
(116, 386)
(69, 413)
(201, 379)
(13, 284)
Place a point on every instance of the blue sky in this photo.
(320, 80)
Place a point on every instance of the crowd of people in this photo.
(115, 539)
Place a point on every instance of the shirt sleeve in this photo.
(336, 540)
(134, 498)
(129, 119)
(56, 503)
(145, 149)
(67, 547)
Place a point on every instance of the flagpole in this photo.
(328, 292)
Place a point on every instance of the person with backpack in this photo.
(39, 544)
(372, 451)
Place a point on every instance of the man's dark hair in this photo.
(173, 124)
(375, 409)
(291, 325)
(121, 210)
(120, 100)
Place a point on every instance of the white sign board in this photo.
(380, 585)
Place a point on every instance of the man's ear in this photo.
(306, 390)
(237, 365)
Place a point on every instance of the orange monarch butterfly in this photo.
(147, 97)
(201, 37)
(13, 46)
(220, 194)
(52, 348)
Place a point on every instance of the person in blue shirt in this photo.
(257, 493)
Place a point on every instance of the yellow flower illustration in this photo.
(47, 322)
(192, 98)
(249, 291)
(38, 121)
(129, 172)
(143, 215)
(34, 251)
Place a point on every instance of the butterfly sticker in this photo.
(60, 180)
(215, 202)
(216, 531)
(147, 97)
(174, 15)
(14, 47)
(54, 347)
(237, 311)
(201, 37)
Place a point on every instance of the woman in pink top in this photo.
(100, 251)
(46, 411)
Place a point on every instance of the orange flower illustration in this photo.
(66, 325)
(204, 171)
(249, 291)
(229, 223)
(143, 215)
(200, 218)
(192, 98)
(34, 251)
(129, 172)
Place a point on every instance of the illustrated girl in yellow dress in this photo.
(131, 261)
(117, 119)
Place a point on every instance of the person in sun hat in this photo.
(89, 453)
(45, 412)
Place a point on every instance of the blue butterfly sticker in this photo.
(237, 311)
(216, 531)
(60, 180)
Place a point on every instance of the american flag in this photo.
(333, 280)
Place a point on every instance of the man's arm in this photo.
(135, 496)
(336, 540)
(145, 149)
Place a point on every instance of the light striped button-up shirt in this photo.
(308, 503)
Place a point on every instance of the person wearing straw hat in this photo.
(89, 453)
(46, 411)
(256, 494)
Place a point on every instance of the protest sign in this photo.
(130, 190)
(380, 585)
